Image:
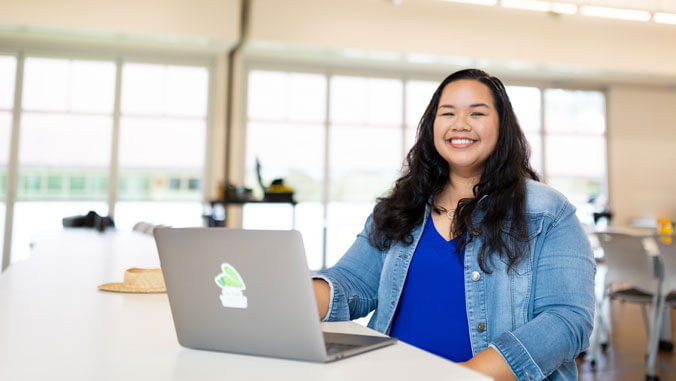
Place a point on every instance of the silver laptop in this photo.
(248, 292)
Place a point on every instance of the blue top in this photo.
(431, 314)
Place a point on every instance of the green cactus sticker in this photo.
(231, 285)
(230, 277)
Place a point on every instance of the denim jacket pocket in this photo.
(528, 237)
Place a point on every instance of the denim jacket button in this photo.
(475, 276)
(481, 327)
(476, 231)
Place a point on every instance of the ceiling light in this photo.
(476, 2)
(615, 13)
(665, 18)
(540, 6)
(564, 8)
(531, 5)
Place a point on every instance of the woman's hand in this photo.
(490, 363)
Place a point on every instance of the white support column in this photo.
(113, 174)
(12, 167)
(326, 181)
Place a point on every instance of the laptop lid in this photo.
(241, 291)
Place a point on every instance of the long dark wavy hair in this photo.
(500, 192)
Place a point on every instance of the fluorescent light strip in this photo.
(564, 8)
(531, 5)
(665, 18)
(475, 2)
(615, 13)
(540, 6)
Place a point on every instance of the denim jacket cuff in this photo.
(337, 311)
(517, 357)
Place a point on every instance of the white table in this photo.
(56, 325)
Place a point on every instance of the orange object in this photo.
(665, 229)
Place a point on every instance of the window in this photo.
(162, 144)
(526, 102)
(66, 131)
(575, 122)
(66, 123)
(340, 164)
(286, 132)
(7, 76)
(363, 111)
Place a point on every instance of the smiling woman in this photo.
(469, 256)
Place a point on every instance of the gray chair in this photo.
(666, 246)
(628, 263)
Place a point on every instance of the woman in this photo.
(470, 257)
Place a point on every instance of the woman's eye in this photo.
(447, 114)
(478, 114)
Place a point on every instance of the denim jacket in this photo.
(538, 316)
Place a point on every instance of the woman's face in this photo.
(466, 126)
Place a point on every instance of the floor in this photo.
(625, 358)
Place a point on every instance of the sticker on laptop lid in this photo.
(231, 285)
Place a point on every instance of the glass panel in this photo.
(158, 152)
(5, 137)
(187, 91)
(93, 86)
(162, 143)
(588, 161)
(5, 132)
(580, 176)
(62, 140)
(535, 141)
(366, 100)
(7, 81)
(32, 218)
(292, 152)
(286, 96)
(280, 217)
(345, 221)
(526, 103)
(143, 90)
(2, 229)
(64, 157)
(418, 96)
(575, 111)
(176, 214)
(46, 84)
(360, 169)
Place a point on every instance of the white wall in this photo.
(642, 152)
(211, 19)
(570, 42)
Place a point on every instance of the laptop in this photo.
(248, 292)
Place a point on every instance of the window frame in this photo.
(404, 74)
(118, 56)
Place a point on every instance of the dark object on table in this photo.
(214, 217)
(91, 220)
(278, 192)
(607, 214)
(238, 194)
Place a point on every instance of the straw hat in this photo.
(140, 281)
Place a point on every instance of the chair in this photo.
(666, 247)
(628, 262)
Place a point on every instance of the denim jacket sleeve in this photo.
(562, 313)
(354, 279)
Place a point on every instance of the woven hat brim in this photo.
(121, 287)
